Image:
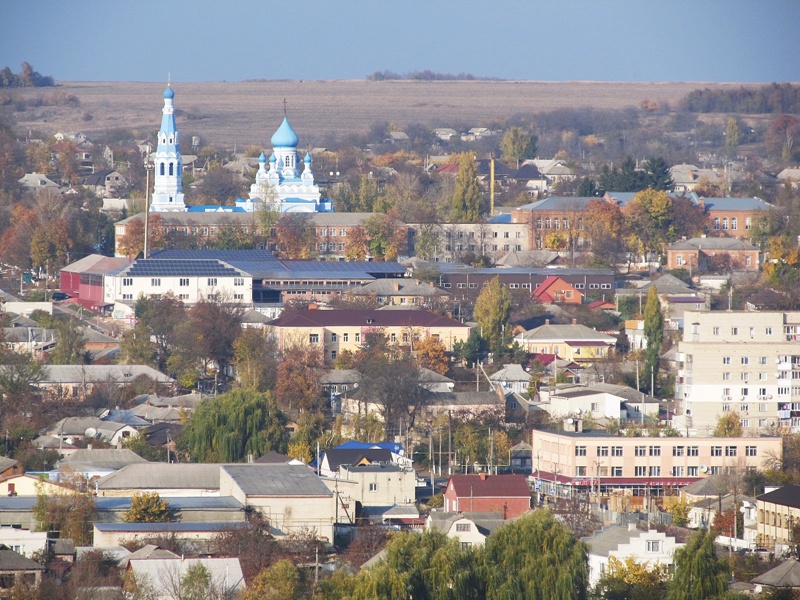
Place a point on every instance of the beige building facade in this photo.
(740, 362)
(584, 459)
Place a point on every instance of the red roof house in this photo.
(507, 494)
(556, 290)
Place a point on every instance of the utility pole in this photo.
(449, 443)
(147, 204)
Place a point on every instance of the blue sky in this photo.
(562, 40)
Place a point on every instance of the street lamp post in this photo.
(148, 166)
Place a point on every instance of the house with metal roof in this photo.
(162, 576)
(704, 254)
(77, 381)
(470, 528)
(507, 494)
(512, 377)
(170, 480)
(291, 497)
(624, 542)
(573, 342)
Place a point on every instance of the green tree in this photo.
(536, 557)
(233, 425)
(517, 144)
(699, 574)
(731, 137)
(649, 217)
(472, 349)
(255, 359)
(467, 201)
(654, 335)
(147, 507)
(136, 348)
(71, 513)
(657, 175)
(70, 344)
(492, 311)
(196, 583)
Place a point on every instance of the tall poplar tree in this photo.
(467, 200)
(654, 334)
(492, 310)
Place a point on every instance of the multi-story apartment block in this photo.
(580, 459)
(746, 363)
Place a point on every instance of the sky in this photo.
(554, 40)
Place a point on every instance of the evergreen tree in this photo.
(699, 574)
(654, 334)
(467, 201)
(731, 137)
(587, 188)
(657, 175)
(492, 310)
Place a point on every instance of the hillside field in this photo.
(247, 113)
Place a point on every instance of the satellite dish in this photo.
(570, 420)
(703, 469)
(580, 411)
(90, 432)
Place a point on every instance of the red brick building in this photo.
(506, 494)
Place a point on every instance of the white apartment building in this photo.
(742, 362)
(190, 280)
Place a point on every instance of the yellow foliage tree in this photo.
(147, 507)
(633, 572)
(432, 354)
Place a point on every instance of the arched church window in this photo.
(162, 169)
(171, 168)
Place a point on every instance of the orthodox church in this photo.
(280, 182)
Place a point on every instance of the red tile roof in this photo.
(364, 318)
(489, 486)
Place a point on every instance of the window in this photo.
(212, 281)
(358, 338)
(183, 281)
(640, 471)
(691, 471)
(734, 331)
(744, 376)
(744, 422)
(313, 338)
(580, 450)
(333, 354)
(716, 450)
(734, 223)
(726, 376)
(730, 450)
(678, 450)
(726, 360)
(655, 450)
(640, 451)
(745, 360)
(716, 223)
(155, 282)
(748, 223)
(323, 247)
(725, 223)
(751, 450)
(238, 281)
(762, 407)
(323, 233)
(393, 338)
(693, 451)
(655, 471)
(334, 338)
(595, 406)
(127, 281)
(726, 407)
(744, 408)
(616, 471)
(677, 471)
(654, 545)
(762, 376)
(127, 296)
(715, 330)
(373, 487)
(580, 471)
(602, 451)
(345, 337)
(463, 527)
(762, 360)
(715, 470)
(466, 545)
(616, 450)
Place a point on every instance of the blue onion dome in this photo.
(307, 159)
(272, 158)
(285, 137)
(169, 92)
(262, 159)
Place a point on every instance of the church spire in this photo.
(168, 187)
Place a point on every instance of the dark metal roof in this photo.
(788, 495)
(180, 268)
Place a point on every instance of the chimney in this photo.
(313, 306)
(396, 286)
(631, 526)
(547, 321)
(483, 476)
(574, 321)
